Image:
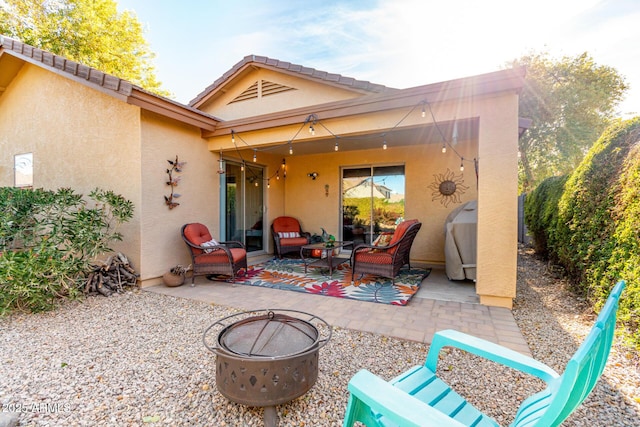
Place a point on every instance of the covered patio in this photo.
(299, 159)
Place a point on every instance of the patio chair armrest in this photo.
(489, 351)
(233, 243)
(370, 391)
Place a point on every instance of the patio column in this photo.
(497, 201)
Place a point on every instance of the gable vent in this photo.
(261, 88)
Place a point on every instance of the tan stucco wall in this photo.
(497, 202)
(162, 244)
(80, 138)
(306, 93)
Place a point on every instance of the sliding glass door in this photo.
(242, 191)
(372, 201)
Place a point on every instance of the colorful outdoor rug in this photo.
(288, 274)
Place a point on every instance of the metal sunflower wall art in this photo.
(447, 187)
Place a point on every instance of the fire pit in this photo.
(266, 357)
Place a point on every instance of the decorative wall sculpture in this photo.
(176, 167)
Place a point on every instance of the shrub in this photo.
(594, 232)
(48, 240)
(541, 213)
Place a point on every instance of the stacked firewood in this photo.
(111, 276)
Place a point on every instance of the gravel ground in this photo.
(137, 359)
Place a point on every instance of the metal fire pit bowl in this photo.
(266, 357)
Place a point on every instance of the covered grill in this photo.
(266, 357)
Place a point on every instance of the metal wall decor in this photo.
(447, 187)
(172, 182)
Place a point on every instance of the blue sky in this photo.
(398, 43)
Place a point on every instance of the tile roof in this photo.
(132, 93)
(307, 72)
(60, 63)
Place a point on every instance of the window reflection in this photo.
(23, 166)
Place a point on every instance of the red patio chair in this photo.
(288, 236)
(211, 257)
(386, 261)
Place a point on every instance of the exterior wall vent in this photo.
(260, 89)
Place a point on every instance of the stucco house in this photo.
(251, 141)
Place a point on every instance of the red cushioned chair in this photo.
(386, 261)
(288, 236)
(224, 258)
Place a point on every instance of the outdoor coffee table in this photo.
(327, 259)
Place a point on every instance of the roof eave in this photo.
(164, 107)
(120, 89)
(499, 81)
(311, 74)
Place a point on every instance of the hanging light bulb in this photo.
(424, 112)
(256, 184)
(312, 130)
(336, 147)
(255, 155)
(242, 166)
(278, 176)
(268, 184)
(233, 137)
(444, 147)
(290, 148)
(384, 144)
(461, 164)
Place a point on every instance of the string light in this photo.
(312, 120)
(268, 183)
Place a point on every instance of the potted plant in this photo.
(176, 275)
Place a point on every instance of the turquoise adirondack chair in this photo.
(418, 398)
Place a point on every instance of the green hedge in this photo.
(48, 240)
(541, 214)
(593, 228)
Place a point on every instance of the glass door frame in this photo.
(245, 223)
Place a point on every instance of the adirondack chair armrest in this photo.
(391, 402)
(487, 350)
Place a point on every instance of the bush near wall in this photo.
(48, 240)
(541, 214)
(593, 228)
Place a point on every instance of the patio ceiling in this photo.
(399, 137)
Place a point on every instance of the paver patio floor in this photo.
(440, 304)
